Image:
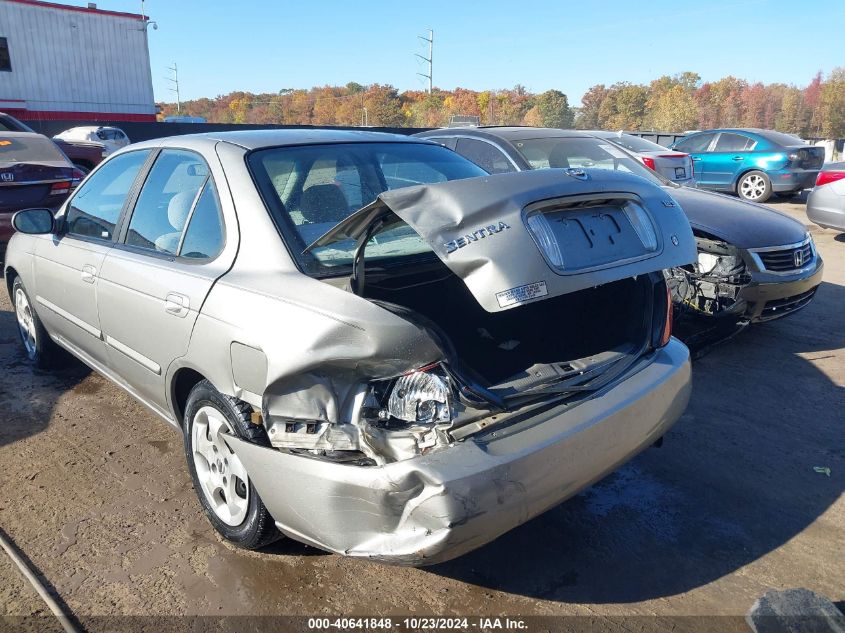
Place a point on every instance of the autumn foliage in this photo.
(677, 103)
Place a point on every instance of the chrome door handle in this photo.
(89, 273)
(738, 158)
(176, 304)
(696, 157)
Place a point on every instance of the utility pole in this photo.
(175, 80)
(430, 40)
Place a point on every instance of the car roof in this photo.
(256, 139)
(510, 132)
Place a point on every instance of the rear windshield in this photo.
(635, 143)
(30, 149)
(779, 138)
(310, 188)
(591, 153)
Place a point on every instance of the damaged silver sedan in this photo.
(370, 345)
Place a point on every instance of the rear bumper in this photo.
(6, 229)
(792, 179)
(826, 208)
(438, 506)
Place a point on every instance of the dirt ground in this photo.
(94, 489)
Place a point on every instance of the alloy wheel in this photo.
(26, 323)
(221, 474)
(753, 187)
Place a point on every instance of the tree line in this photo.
(677, 103)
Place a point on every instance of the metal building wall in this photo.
(67, 61)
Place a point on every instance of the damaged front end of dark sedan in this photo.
(753, 265)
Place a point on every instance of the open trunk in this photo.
(499, 346)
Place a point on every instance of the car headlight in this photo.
(719, 265)
(421, 397)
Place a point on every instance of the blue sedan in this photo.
(752, 163)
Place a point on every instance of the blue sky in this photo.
(264, 46)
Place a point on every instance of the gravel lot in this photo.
(95, 490)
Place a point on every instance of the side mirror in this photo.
(34, 221)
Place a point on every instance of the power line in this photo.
(430, 40)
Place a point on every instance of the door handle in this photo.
(696, 157)
(738, 158)
(176, 304)
(88, 273)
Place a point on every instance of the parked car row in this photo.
(430, 340)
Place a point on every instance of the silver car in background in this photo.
(369, 344)
(672, 165)
(826, 202)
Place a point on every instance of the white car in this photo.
(111, 138)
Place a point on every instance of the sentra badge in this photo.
(469, 238)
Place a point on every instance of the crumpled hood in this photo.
(478, 228)
(743, 224)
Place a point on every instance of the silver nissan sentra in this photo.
(370, 345)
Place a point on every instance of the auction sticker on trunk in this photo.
(521, 294)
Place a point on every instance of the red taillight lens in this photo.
(826, 177)
(675, 155)
(648, 162)
(60, 188)
(666, 334)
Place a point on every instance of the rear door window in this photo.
(729, 142)
(487, 156)
(95, 207)
(167, 199)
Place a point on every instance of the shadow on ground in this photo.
(733, 481)
(28, 395)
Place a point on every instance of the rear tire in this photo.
(220, 480)
(39, 348)
(754, 186)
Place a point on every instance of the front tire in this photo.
(220, 480)
(38, 346)
(755, 186)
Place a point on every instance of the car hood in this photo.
(743, 224)
(478, 228)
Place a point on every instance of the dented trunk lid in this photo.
(521, 237)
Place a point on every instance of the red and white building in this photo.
(59, 61)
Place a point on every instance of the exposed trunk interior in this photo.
(498, 345)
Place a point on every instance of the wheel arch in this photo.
(11, 273)
(183, 381)
(735, 184)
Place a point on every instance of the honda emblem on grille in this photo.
(7, 176)
(799, 258)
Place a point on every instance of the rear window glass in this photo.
(588, 153)
(779, 138)
(635, 143)
(309, 189)
(33, 148)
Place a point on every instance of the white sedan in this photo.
(111, 138)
